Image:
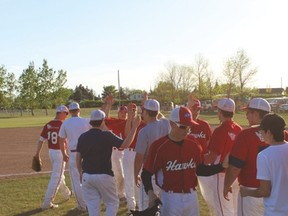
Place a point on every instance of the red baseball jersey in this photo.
(50, 133)
(117, 126)
(246, 147)
(202, 133)
(174, 164)
(223, 138)
(133, 144)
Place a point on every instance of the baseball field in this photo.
(21, 189)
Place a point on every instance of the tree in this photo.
(201, 74)
(11, 87)
(82, 93)
(3, 73)
(60, 94)
(238, 73)
(109, 90)
(28, 86)
(46, 79)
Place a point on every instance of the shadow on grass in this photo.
(31, 212)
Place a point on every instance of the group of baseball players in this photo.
(141, 160)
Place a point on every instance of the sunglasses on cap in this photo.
(185, 127)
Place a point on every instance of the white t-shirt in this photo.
(272, 165)
(72, 128)
(150, 133)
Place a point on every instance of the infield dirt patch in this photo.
(17, 147)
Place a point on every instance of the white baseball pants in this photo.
(57, 179)
(179, 204)
(131, 189)
(117, 167)
(97, 187)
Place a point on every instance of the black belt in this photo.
(74, 150)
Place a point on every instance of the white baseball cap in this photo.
(152, 105)
(62, 108)
(226, 104)
(182, 115)
(259, 104)
(97, 115)
(74, 106)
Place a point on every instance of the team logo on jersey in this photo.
(201, 135)
(174, 166)
(231, 135)
(259, 135)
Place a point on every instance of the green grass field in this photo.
(23, 196)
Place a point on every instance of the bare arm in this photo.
(128, 140)
(231, 174)
(39, 148)
(78, 164)
(264, 190)
(63, 149)
(106, 107)
(139, 158)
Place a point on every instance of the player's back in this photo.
(72, 128)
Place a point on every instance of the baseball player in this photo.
(154, 129)
(128, 161)
(57, 180)
(219, 147)
(242, 159)
(117, 125)
(202, 133)
(272, 168)
(71, 129)
(174, 159)
(94, 151)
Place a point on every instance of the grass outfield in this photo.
(23, 196)
(8, 120)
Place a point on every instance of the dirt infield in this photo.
(18, 146)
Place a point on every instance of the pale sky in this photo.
(93, 39)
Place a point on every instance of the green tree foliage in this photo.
(42, 88)
(82, 93)
(28, 88)
(110, 90)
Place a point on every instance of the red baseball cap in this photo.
(182, 115)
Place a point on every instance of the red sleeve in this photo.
(240, 148)
(152, 161)
(216, 142)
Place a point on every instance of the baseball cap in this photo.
(123, 108)
(152, 105)
(97, 115)
(259, 104)
(74, 106)
(62, 108)
(182, 115)
(226, 104)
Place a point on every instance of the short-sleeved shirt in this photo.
(95, 147)
(116, 125)
(272, 165)
(151, 132)
(223, 138)
(50, 133)
(202, 133)
(174, 164)
(247, 145)
(72, 128)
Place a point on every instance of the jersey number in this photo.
(53, 137)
